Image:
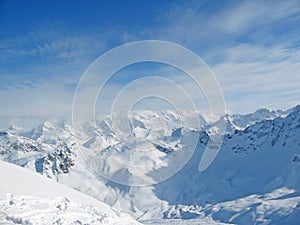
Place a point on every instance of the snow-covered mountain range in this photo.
(253, 180)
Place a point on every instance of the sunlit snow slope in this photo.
(29, 198)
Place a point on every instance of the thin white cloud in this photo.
(50, 46)
(193, 23)
(253, 77)
(44, 99)
(250, 15)
(260, 71)
(250, 45)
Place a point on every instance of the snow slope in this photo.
(29, 198)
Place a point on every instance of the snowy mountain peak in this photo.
(242, 121)
(294, 111)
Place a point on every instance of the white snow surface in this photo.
(29, 198)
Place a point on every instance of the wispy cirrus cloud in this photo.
(252, 47)
(48, 46)
(260, 78)
(227, 22)
(40, 70)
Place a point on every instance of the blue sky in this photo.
(253, 48)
